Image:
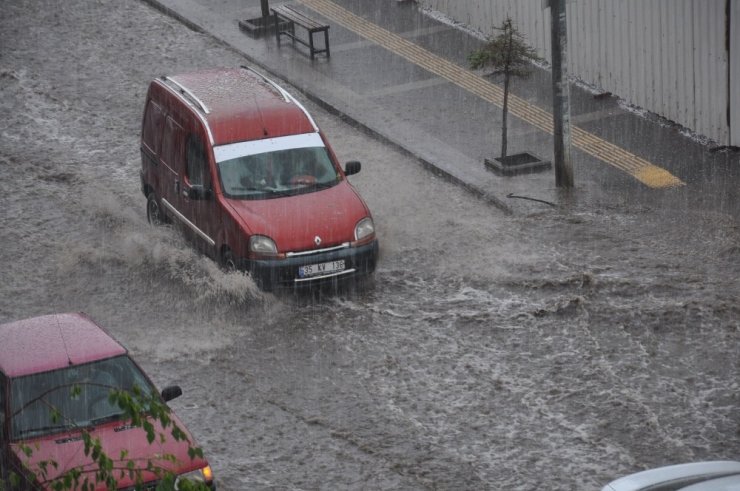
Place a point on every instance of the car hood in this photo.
(294, 222)
(68, 451)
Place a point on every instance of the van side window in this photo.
(196, 158)
(172, 144)
(152, 130)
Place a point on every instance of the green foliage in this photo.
(506, 51)
(139, 409)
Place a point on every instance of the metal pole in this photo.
(560, 96)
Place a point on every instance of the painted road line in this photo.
(639, 168)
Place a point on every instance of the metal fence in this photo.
(677, 58)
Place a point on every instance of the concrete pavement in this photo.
(402, 74)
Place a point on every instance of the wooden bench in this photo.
(286, 19)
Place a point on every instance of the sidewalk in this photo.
(402, 75)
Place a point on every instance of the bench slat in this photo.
(297, 17)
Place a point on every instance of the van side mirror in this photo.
(198, 192)
(171, 392)
(352, 167)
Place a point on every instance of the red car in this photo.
(241, 167)
(56, 373)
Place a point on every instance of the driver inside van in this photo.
(307, 167)
(257, 172)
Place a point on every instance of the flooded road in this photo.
(555, 349)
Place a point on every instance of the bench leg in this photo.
(310, 44)
(326, 42)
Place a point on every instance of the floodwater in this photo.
(559, 348)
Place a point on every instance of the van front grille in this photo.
(317, 251)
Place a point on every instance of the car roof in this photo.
(728, 483)
(50, 342)
(225, 98)
(677, 476)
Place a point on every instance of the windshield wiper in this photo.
(324, 185)
(105, 419)
(44, 429)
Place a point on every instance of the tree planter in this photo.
(519, 163)
(258, 26)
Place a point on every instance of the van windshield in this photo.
(275, 167)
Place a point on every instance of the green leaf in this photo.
(15, 480)
(56, 416)
(27, 450)
(149, 428)
(75, 391)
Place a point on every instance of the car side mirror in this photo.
(352, 167)
(171, 392)
(198, 192)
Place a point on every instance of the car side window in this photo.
(152, 129)
(196, 159)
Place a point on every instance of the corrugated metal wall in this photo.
(667, 56)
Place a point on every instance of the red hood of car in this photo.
(68, 451)
(294, 222)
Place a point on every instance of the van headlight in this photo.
(204, 475)
(261, 244)
(364, 228)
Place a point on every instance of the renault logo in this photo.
(317, 241)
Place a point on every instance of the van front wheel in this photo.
(153, 211)
(228, 263)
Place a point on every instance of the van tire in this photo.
(153, 210)
(228, 263)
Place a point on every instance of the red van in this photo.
(56, 374)
(241, 167)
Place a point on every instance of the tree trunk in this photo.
(265, 8)
(508, 47)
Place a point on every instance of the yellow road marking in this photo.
(642, 170)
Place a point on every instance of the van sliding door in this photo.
(171, 160)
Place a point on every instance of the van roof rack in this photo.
(192, 98)
(282, 91)
(286, 95)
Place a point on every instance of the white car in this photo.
(721, 475)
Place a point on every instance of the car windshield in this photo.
(71, 397)
(275, 167)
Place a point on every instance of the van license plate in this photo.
(322, 268)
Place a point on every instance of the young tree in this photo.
(508, 53)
